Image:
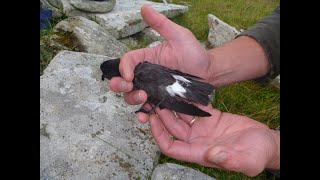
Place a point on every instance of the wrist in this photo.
(239, 60)
(274, 162)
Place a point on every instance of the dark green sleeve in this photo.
(267, 33)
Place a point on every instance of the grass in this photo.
(238, 13)
(257, 101)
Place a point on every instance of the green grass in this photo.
(257, 101)
(238, 13)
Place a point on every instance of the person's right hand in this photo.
(181, 51)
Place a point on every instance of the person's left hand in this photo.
(224, 140)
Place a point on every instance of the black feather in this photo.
(154, 78)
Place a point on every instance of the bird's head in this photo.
(110, 68)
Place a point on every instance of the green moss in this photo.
(47, 52)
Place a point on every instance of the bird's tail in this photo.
(187, 108)
(198, 91)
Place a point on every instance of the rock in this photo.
(177, 172)
(154, 44)
(220, 32)
(276, 81)
(151, 35)
(70, 10)
(90, 37)
(86, 130)
(56, 12)
(94, 6)
(125, 18)
(56, 3)
(278, 78)
(130, 42)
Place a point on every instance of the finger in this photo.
(165, 27)
(143, 117)
(174, 125)
(186, 118)
(129, 61)
(136, 97)
(175, 148)
(118, 84)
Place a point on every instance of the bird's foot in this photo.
(148, 111)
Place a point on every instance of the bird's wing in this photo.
(191, 89)
(179, 104)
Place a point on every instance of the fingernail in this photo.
(138, 97)
(123, 85)
(219, 158)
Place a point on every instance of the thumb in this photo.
(165, 27)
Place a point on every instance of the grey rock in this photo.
(70, 10)
(56, 3)
(154, 44)
(130, 42)
(94, 6)
(151, 35)
(56, 12)
(220, 32)
(177, 172)
(90, 37)
(125, 18)
(86, 130)
(276, 81)
(278, 78)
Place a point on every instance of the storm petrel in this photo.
(166, 88)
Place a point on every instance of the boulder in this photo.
(94, 6)
(125, 18)
(177, 172)
(90, 37)
(220, 32)
(86, 130)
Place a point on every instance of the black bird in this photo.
(165, 88)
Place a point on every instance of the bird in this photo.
(165, 87)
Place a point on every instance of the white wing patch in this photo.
(176, 89)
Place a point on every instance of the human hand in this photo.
(180, 51)
(224, 140)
